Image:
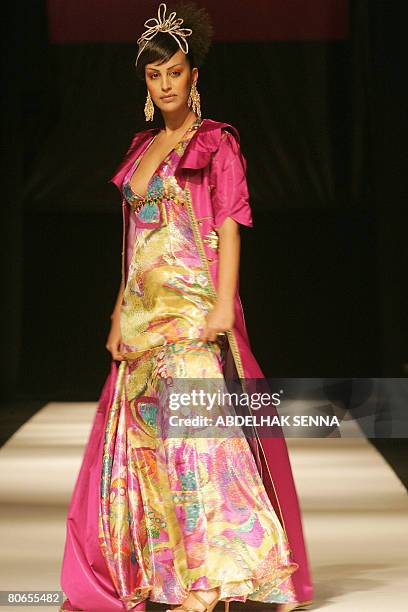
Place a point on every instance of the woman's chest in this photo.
(164, 197)
(147, 169)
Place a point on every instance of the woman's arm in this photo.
(221, 317)
(116, 310)
(114, 341)
(230, 201)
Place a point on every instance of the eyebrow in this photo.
(150, 68)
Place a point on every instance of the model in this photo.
(184, 520)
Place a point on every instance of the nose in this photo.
(165, 85)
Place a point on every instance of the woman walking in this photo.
(186, 520)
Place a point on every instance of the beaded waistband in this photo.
(138, 203)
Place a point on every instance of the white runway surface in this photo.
(355, 512)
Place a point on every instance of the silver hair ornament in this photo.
(170, 25)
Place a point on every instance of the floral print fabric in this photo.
(178, 513)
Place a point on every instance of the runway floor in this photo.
(354, 512)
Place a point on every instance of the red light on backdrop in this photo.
(120, 21)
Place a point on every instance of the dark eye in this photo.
(176, 72)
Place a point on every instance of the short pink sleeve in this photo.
(229, 195)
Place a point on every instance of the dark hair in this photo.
(163, 45)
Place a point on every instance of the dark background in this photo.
(317, 98)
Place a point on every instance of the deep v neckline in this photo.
(139, 159)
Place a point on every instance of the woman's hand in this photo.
(114, 341)
(219, 320)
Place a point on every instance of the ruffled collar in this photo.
(196, 155)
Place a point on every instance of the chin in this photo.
(170, 106)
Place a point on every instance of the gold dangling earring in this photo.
(149, 108)
(194, 98)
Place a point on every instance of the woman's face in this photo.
(173, 78)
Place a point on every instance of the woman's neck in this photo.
(174, 125)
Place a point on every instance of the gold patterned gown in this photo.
(186, 512)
